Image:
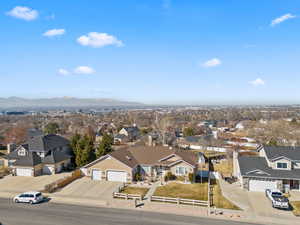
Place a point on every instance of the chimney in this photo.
(150, 140)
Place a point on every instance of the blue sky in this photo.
(152, 51)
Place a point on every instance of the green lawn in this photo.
(296, 207)
(135, 190)
(195, 191)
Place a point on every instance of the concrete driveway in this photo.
(262, 206)
(254, 203)
(18, 184)
(87, 188)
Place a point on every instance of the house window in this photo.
(21, 152)
(282, 165)
(181, 171)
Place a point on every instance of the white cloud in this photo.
(98, 40)
(212, 63)
(257, 82)
(84, 70)
(63, 72)
(282, 19)
(54, 32)
(22, 12)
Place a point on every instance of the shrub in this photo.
(138, 177)
(170, 176)
(191, 177)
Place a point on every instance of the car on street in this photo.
(31, 197)
(277, 199)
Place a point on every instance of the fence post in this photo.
(126, 196)
(178, 201)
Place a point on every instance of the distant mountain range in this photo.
(63, 103)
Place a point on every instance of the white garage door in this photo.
(27, 172)
(118, 176)
(96, 174)
(261, 185)
(47, 170)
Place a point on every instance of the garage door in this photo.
(118, 176)
(96, 174)
(27, 172)
(261, 185)
(47, 170)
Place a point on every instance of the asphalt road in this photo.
(60, 214)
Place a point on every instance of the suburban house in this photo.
(275, 168)
(120, 139)
(43, 154)
(151, 163)
(132, 133)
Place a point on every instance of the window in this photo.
(281, 165)
(22, 152)
(181, 170)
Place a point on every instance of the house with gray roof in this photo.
(132, 133)
(41, 154)
(274, 168)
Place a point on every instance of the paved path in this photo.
(152, 190)
(51, 213)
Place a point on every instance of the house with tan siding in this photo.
(148, 161)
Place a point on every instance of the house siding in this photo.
(110, 164)
(189, 168)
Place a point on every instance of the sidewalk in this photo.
(152, 190)
(233, 215)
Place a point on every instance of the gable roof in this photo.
(31, 159)
(289, 152)
(46, 143)
(56, 156)
(146, 155)
(249, 164)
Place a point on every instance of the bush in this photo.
(170, 176)
(191, 177)
(138, 177)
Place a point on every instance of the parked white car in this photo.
(29, 197)
(278, 200)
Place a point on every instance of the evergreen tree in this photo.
(105, 145)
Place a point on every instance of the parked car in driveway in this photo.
(277, 199)
(32, 197)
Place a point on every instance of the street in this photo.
(51, 213)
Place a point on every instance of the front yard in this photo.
(296, 207)
(135, 190)
(195, 191)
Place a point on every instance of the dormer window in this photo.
(22, 152)
(281, 165)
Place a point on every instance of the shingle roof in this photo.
(274, 152)
(125, 157)
(46, 143)
(56, 156)
(248, 166)
(31, 159)
(145, 155)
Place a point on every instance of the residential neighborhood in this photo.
(149, 112)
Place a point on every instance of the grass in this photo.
(135, 190)
(224, 167)
(195, 191)
(296, 207)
